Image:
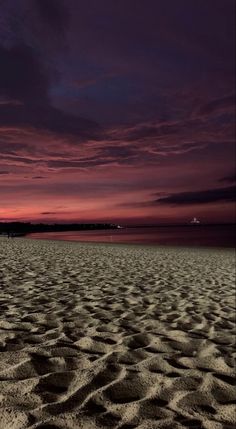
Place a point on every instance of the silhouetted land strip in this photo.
(24, 228)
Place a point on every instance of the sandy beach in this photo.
(113, 336)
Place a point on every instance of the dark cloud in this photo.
(23, 78)
(4, 172)
(118, 151)
(227, 194)
(54, 14)
(159, 130)
(218, 105)
(20, 159)
(48, 118)
(143, 132)
(229, 179)
(5, 101)
(78, 163)
(12, 148)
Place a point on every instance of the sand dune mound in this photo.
(101, 336)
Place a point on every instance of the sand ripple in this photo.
(101, 336)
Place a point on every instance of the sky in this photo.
(117, 111)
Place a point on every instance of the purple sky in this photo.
(117, 110)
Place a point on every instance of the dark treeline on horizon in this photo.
(24, 228)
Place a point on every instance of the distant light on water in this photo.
(209, 236)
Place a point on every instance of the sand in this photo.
(111, 336)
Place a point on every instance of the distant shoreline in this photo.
(214, 237)
(24, 228)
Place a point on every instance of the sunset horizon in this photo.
(103, 125)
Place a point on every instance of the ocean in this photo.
(193, 236)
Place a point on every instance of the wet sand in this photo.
(113, 336)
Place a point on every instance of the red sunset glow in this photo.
(103, 125)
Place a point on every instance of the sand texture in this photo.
(110, 336)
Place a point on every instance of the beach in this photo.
(116, 336)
